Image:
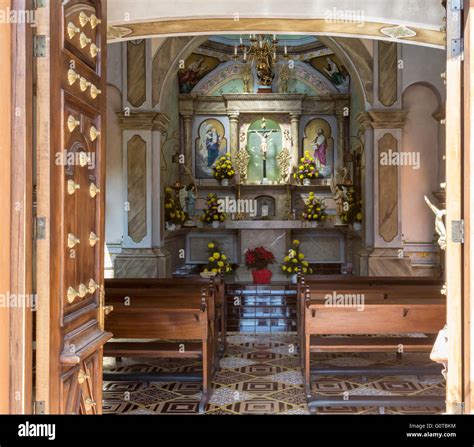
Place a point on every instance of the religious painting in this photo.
(210, 144)
(332, 68)
(195, 68)
(319, 143)
(264, 143)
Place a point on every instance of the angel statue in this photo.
(439, 224)
(339, 197)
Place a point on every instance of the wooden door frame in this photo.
(460, 333)
(5, 206)
(468, 204)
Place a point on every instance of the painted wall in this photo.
(170, 106)
(114, 197)
(420, 134)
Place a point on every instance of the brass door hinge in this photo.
(39, 407)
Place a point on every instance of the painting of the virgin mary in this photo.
(210, 145)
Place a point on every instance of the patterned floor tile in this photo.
(261, 374)
(260, 387)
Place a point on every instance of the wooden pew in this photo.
(391, 306)
(384, 286)
(197, 282)
(184, 316)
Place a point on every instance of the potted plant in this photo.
(174, 215)
(217, 262)
(258, 260)
(306, 169)
(314, 210)
(212, 215)
(294, 262)
(223, 169)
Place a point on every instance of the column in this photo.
(341, 132)
(188, 145)
(295, 136)
(234, 133)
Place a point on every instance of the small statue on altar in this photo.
(320, 147)
(339, 196)
(191, 200)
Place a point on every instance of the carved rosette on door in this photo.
(78, 52)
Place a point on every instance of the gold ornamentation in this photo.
(72, 76)
(94, 50)
(84, 40)
(95, 91)
(72, 186)
(247, 78)
(283, 78)
(83, 159)
(117, 32)
(89, 404)
(93, 133)
(284, 164)
(84, 84)
(108, 309)
(92, 19)
(92, 286)
(71, 295)
(82, 291)
(72, 30)
(72, 123)
(93, 190)
(82, 377)
(93, 239)
(242, 158)
(72, 240)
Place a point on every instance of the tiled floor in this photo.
(260, 374)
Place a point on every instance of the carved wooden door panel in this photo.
(70, 183)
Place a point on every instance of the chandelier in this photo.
(262, 53)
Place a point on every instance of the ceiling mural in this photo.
(332, 68)
(214, 68)
(197, 66)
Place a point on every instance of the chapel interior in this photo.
(365, 118)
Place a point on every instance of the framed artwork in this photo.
(210, 144)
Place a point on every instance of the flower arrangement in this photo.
(307, 168)
(258, 258)
(314, 210)
(218, 262)
(295, 261)
(352, 209)
(223, 168)
(212, 213)
(173, 212)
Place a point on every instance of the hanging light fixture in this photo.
(262, 53)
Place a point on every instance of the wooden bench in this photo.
(388, 306)
(216, 284)
(185, 316)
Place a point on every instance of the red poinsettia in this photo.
(258, 258)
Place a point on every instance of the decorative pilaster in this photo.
(341, 131)
(383, 131)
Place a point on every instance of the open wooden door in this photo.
(70, 169)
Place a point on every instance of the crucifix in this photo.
(265, 138)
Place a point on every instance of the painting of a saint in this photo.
(319, 142)
(320, 147)
(210, 145)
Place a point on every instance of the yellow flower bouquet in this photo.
(306, 169)
(295, 262)
(218, 263)
(223, 169)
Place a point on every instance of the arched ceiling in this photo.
(409, 21)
